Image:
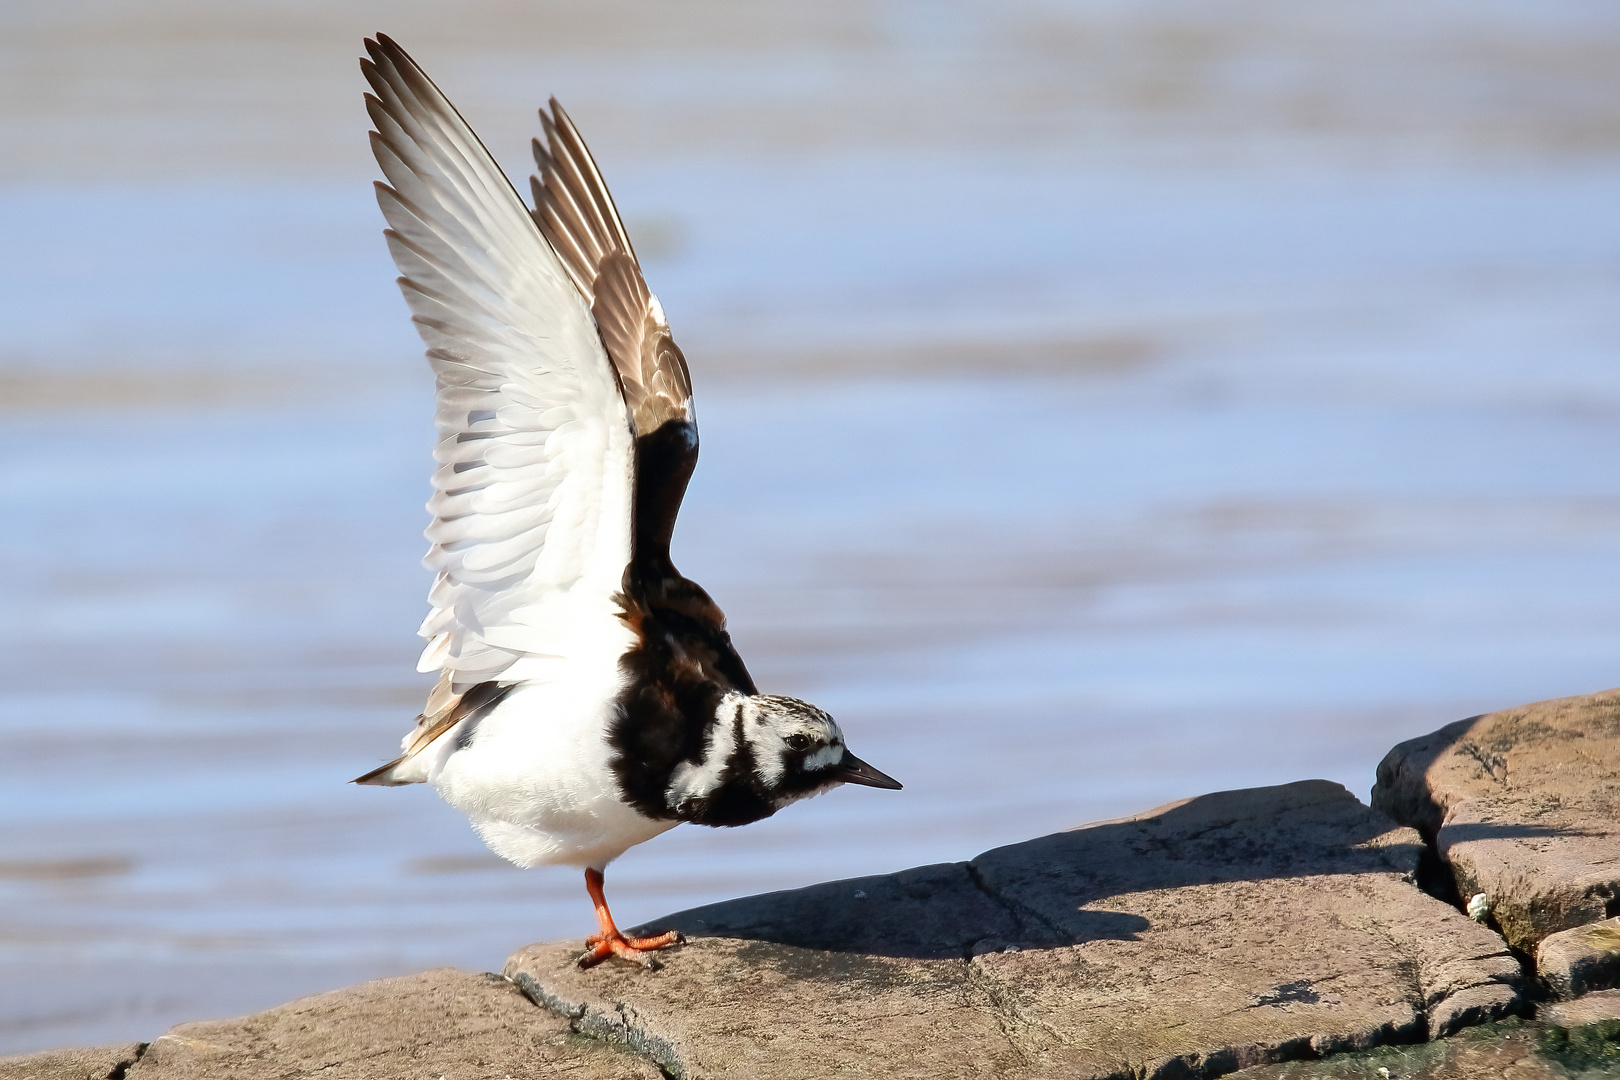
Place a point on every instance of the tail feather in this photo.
(445, 710)
(402, 770)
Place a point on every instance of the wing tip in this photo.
(382, 43)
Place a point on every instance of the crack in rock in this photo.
(1021, 914)
(121, 1070)
(622, 1028)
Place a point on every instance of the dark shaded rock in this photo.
(1509, 1050)
(84, 1063)
(438, 1023)
(1582, 1039)
(1522, 804)
(1585, 958)
(1222, 931)
(927, 912)
(1584, 1035)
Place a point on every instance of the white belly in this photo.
(535, 781)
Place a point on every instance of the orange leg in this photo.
(612, 943)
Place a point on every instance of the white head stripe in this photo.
(831, 754)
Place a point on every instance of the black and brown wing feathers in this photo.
(576, 214)
(571, 200)
(657, 385)
(684, 662)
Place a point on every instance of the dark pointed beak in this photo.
(852, 770)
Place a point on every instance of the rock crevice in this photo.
(1522, 808)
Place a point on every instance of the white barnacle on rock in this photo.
(1479, 907)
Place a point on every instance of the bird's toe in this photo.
(636, 950)
(661, 941)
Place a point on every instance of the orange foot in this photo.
(610, 942)
(640, 950)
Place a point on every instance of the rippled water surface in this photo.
(1102, 404)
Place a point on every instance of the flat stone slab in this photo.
(442, 1023)
(1227, 930)
(1524, 805)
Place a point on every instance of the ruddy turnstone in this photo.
(589, 697)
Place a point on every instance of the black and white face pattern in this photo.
(797, 749)
(762, 752)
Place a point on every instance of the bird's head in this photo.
(798, 750)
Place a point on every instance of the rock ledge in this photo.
(1211, 934)
(1254, 932)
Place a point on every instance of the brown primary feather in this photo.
(572, 203)
(576, 214)
(657, 387)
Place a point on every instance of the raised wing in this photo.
(532, 499)
(574, 210)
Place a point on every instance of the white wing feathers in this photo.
(532, 497)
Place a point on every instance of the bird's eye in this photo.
(798, 742)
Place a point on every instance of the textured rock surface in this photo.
(1523, 805)
(1511, 1050)
(84, 1063)
(1581, 959)
(1222, 931)
(438, 1023)
(1602, 1007)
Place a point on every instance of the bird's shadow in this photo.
(1055, 890)
(926, 912)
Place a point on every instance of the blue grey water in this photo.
(1073, 478)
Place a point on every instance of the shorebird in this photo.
(589, 697)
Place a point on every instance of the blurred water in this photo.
(1162, 448)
